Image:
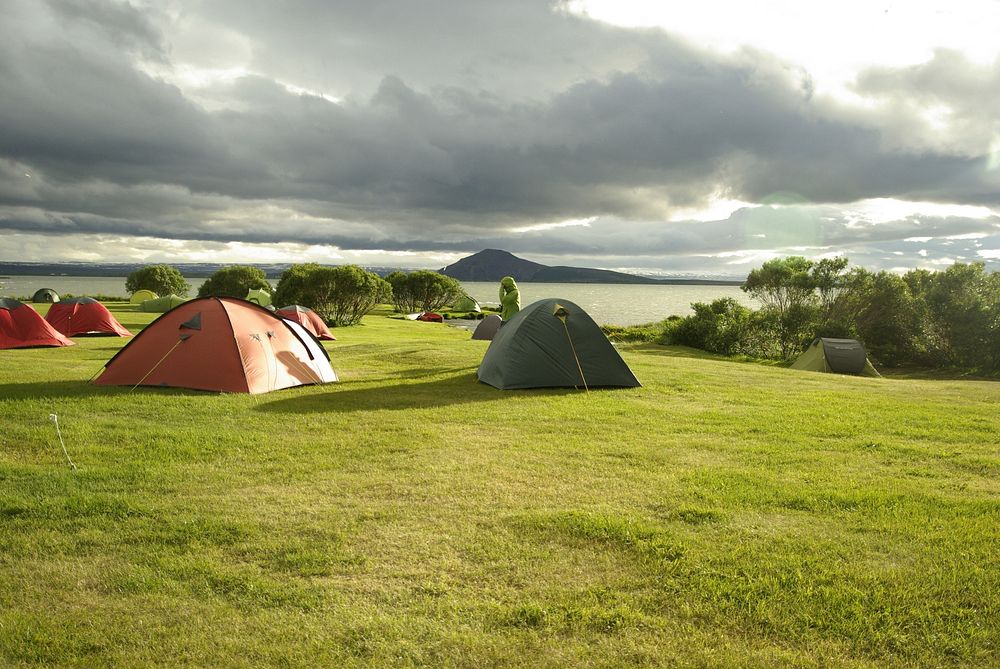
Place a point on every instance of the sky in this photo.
(663, 137)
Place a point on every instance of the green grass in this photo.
(724, 514)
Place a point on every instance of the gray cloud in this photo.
(458, 122)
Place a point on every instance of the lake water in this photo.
(615, 303)
(618, 304)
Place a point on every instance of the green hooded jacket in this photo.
(510, 298)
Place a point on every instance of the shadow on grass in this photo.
(458, 389)
(421, 372)
(46, 390)
(56, 389)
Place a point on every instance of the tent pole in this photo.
(573, 349)
(156, 365)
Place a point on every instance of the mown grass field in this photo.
(724, 515)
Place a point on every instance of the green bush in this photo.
(339, 295)
(423, 290)
(647, 332)
(234, 281)
(161, 279)
(724, 326)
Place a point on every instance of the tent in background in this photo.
(84, 316)
(162, 304)
(466, 303)
(553, 344)
(430, 317)
(259, 296)
(839, 356)
(45, 295)
(308, 319)
(488, 327)
(22, 327)
(222, 344)
(140, 296)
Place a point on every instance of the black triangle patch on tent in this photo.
(194, 323)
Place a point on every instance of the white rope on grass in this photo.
(55, 419)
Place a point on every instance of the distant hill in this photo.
(494, 264)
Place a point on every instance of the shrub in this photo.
(161, 279)
(339, 295)
(423, 290)
(234, 281)
(647, 332)
(724, 326)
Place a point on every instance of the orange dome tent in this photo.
(308, 319)
(223, 344)
(84, 316)
(22, 327)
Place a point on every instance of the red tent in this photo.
(84, 316)
(308, 319)
(430, 317)
(22, 327)
(223, 344)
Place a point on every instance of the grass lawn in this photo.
(725, 514)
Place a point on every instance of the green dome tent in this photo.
(553, 344)
(466, 303)
(259, 296)
(45, 295)
(838, 356)
(140, 296)
(162, 304)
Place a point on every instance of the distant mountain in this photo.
(563, 274)
(494, 264)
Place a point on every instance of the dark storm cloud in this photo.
(457, 122)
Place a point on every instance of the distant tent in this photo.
(22, 327)
(430, 317)
(45, 295)
(84, 316)
(308, 319)
(140, 296)
(839, 356)
(553, 344)
(222, 344)
(259, 296)
(162, 304)
(466, 303)
(488, 327)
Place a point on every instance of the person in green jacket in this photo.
(510, 298)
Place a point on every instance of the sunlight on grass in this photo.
(724, 514)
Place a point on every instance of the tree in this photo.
(961, 304)
(827, 276)
(879, 309)
(787, 289)
(423, 290)
(339, 295)
(161, 279)
(234, 281)
(781, 283)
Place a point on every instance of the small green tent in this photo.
(553, 344)
(141, 295)
(45, 295)
(162, 304)
(838, 356)
(466, 303)
(259, 296)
